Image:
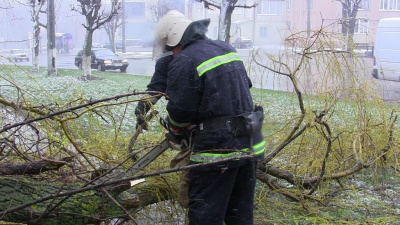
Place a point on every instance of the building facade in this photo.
(270, 21)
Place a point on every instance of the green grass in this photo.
(368, 198)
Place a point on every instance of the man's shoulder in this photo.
(165, 57)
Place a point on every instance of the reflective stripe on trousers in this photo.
(204, 157)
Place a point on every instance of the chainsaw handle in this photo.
(164, 123)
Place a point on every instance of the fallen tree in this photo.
(69, 161)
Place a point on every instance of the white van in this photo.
(387, 50)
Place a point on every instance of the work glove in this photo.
(140, 112)
(176, 132)
(180, 134)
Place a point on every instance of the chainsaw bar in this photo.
(149, 157)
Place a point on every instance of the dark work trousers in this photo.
(219, 196)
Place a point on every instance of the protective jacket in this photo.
(158, 83)
(207, 80)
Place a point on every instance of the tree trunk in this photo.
(91, 206)
(227, 7)
(51, 47)
(87, 54)
(36, 48)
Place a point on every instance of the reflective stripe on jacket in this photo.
(206, 157)
(207, 80)
(217, 61)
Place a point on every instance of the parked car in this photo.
(118, 45)
(97, 45)
(19, 55)
(369, 53)
(103, 59)
(242, 42)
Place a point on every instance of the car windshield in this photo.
(104, 52)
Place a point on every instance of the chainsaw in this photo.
(156, 151)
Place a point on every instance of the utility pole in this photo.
(123, 27)
(254, 26)
(51, 50)
(308, 18)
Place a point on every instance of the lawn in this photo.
(370, 197)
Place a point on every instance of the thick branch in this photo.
(33, 167)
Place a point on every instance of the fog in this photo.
(16, 26)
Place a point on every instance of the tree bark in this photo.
(83, 208)
(227, 7)
(33, 167)
(51, 46)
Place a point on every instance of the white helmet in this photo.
(170, 30)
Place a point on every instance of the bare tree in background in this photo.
(111, 28)
(37, 10)
(226, 8)
(157, 9)
(349, 13)
(96, 16)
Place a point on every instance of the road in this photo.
(140, 63)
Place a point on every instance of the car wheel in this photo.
(100, 67)
(123, 70)
(80, 66)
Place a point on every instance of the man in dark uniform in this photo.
(207, 86)
(158, 83)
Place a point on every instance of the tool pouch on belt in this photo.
(248, 123)
(241, 125)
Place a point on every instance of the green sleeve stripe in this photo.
(177, 123)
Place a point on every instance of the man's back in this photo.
(214, 75)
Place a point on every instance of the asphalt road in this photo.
(140, 63)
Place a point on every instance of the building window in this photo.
(364, 4)
(361, 26)
(263, 32)
(270, 7)
(135, 9)
(289, 5)
(389, 5)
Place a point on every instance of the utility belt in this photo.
(241, 125)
